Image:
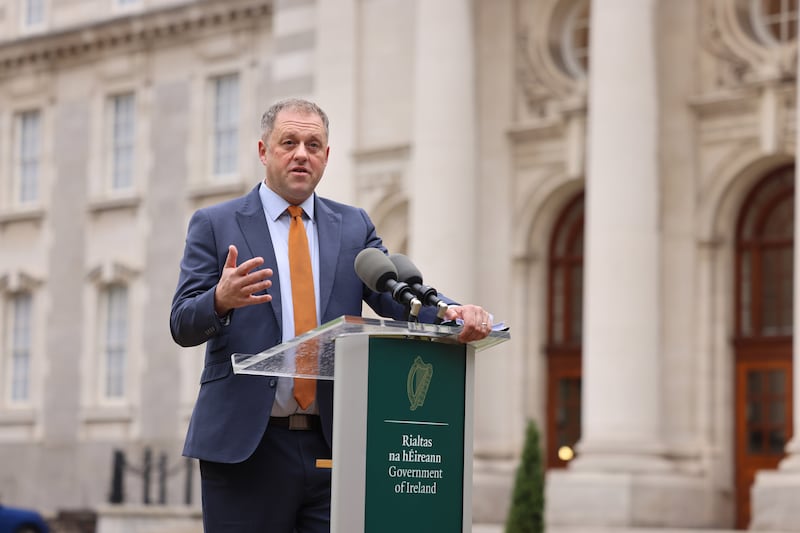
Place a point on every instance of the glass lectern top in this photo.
(279, 360)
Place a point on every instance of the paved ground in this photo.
(495, 528)
(486, 528)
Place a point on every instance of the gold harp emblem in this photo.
(419, 379)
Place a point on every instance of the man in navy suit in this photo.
(257, 447)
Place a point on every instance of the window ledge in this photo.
(98, 205)
(106, 415)
(17, 417)
(35, 214)
(206, 190)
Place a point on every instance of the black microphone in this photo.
(380, 275)
(408, 272)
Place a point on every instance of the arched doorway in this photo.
(763, 331)
(565, 332)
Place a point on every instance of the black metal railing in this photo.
(122, 467)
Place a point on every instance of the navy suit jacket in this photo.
(232, 411)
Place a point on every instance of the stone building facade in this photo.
(613, 178)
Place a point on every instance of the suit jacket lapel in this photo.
(254, 227)
(329, 233)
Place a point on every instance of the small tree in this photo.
(526, 514)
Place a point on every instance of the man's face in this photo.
(295, 154)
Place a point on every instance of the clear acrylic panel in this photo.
(279, 360)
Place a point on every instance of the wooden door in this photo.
(565, 332)
(763, 416)
(764, 331)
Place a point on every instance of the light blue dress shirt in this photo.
(278, 221)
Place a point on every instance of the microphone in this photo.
(409, 273)
(379, 274)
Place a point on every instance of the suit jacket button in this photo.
(272, 383)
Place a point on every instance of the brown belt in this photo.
(298, 422)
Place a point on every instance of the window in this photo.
(28, 157)
(570, 37)
(774, 21)
(565, 332)
(765, 248)
(566, 278)
(123, 129)
(19, 339)
(33, 14)
(764, 331)
(115, 340)
(225, 132)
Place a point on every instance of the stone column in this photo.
(775, 493)
(621, 477)
(336, 36)
(621, 388)
(441, 183)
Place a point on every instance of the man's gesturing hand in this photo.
(238, 285)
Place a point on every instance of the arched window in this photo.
(764, 258)
(565, 331)
(763, 336)
(771, 22)
(569, 37)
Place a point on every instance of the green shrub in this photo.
(526, 514)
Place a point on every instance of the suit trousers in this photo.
(278, 489)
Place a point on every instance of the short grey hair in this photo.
(294, 104)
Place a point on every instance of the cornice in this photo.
(122, 34)
(742, 99)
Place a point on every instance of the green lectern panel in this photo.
(415, 437)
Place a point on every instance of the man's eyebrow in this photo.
(298, 133)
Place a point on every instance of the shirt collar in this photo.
(275, 206)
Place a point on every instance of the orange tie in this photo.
(305, 305)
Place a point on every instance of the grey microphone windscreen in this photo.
(406, 270)
(374, 269)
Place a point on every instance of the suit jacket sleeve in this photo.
(193, 320)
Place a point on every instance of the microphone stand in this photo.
(440, 311)
(413, 310)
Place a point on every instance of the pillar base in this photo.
(492, 487)
(635, 499)
(775, 496)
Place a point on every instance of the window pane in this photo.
(558, 306)
(753, 383)
(776, 296)
(576, 309)
(777, 413)
(34, 12)
(116, 340)
(766, 411)
(28, 156)
(777, 20)
(566, 266)
(755, 441)
(21, 347)
(571, 46)
(745, 285)
(568, 412)
(123, 136)
(226, 116)
(777, 441)
(765, 250)
(580, 37)
(779, 224)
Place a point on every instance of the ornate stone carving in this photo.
(741, 58)
(152, 28)
(542, 82)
